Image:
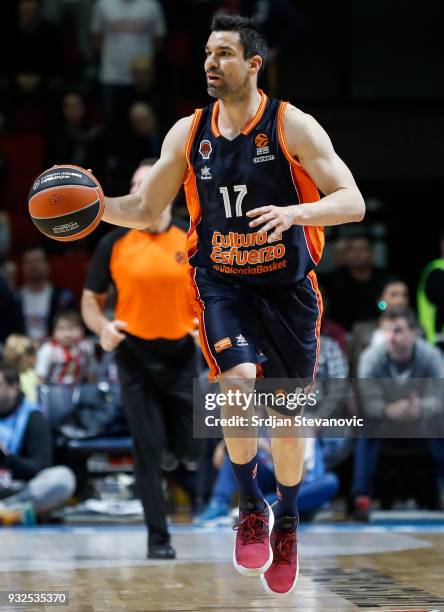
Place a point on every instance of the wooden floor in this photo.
(343, 568)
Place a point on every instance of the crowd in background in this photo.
(97, 84)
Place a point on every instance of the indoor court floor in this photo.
(391, 566)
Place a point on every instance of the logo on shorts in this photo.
(180, 257)
(240, 340)
(223, 344)
(205, 149)
(205, 174)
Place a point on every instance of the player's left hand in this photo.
(276, 218)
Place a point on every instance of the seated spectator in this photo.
(40, 300)
(107, 369)
(394, 293)
(317, 488)
(401, 357)
(68, 358)
(20, 352)
(331, 386)
(138, 141)
(11, 319)
(74, 140)
(354, 289)
(329, 327)
(5, 235)
(145, 89)
(30, 486)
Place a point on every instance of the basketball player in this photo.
(251, 168)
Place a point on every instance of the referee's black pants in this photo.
(156, 378)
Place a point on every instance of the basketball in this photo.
(66, 203)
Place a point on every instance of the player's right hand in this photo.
(111, 336)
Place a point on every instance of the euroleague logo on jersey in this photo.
(205, 149)
(261, 140)
(262, 149)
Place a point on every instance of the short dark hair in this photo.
(400, 312)
(10, 373)
(252, 38)
(391, 280)
(68, 315)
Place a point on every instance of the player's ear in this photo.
(255, 63)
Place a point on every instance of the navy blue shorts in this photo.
(277, 328)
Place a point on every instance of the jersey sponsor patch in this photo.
(239, 249)
(223, 344)
(263, 158)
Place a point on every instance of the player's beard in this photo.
(219, 92)
(226, 91)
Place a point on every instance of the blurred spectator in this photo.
(123, 30)
(20, 351)
(431, 299)
(74, 140)
(107, 369)
(5, 235)
(138, 141)
(40, 300)
(329, 327)
(32, 56)
(317, 488)
(394, 293)
(354, 290)
(68, 358)
(339, 252)
(145, 89)
(401, 357)
(29, 485)
(72, 17)
(11, 319)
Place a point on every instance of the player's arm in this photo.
(342, 202)
(160, 186)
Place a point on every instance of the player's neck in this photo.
(235, 112)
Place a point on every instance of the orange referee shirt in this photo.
(150, 273)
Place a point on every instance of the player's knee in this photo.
(240, 371)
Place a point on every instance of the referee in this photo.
(155, 351)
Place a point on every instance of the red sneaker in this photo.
(282, 575)
(252, 554)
